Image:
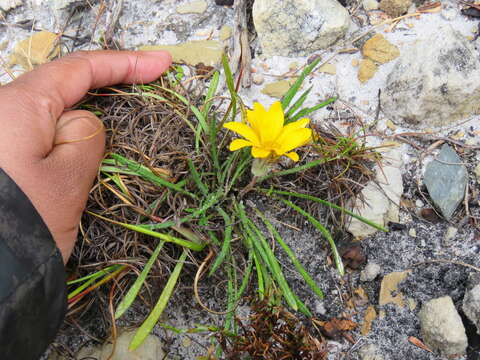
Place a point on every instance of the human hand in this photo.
(39, 140)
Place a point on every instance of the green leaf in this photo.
(135, 288)
(148, 325)
(287, 98)
(141, 229)
(304, 112)
(226, 241)
(196, 178)
(327, 203)
(269, 258)
(147, 174)
(297, 105)
(301, 270)
(210, 93)
(323, 230)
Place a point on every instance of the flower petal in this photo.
(299, 124)
(258, 152)
(293, 155)
(294, 139)
(256, 117)
(272, 125)
(239, 144)
(243, 130)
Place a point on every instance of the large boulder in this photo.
(299, 27)
(435, 81)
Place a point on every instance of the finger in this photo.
(64, 82)
(73, 162)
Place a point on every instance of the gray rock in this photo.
(477, 172)
(298, 27)
(446, 179)
(380, 199)
(442, 328)
(435, 81)
(471, 305)
(151, 349)
(370, 272)
(370, 352)
(7, 5)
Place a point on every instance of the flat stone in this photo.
(225, 33)
(380, 49)
(389, 293)
(395, 8)
(370, 316)
(366, 70)
(442, 328)
(446, 179)
(151, 349)
(194, 7)
(208, 52)
(299, 27)
(370, 272)
(434, 82)
(278, 88)
(35, 50)
(471, 306)
(381, 199)
(328, 69)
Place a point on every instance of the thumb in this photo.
(72, 165)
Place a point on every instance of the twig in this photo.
(445, 261)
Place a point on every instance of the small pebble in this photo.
(419, 203)
(258, 79)
(412, 232)
(320, 308)
(449, 235)
(293, 66)
(370, 272)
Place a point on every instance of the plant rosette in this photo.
(269, 137)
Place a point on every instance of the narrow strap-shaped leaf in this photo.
(287, 98)
(147, 326)
(297, 105)
(323, 230)
(226, 241)
(196, 178)
(165, 237)
(132, 293)
(210, 94)
(326, 203)
(147, 174)
(306, 276)
(304, 112)
(269, 258)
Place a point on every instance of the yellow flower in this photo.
(267, 134)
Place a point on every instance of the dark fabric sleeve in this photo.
(32, 278)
